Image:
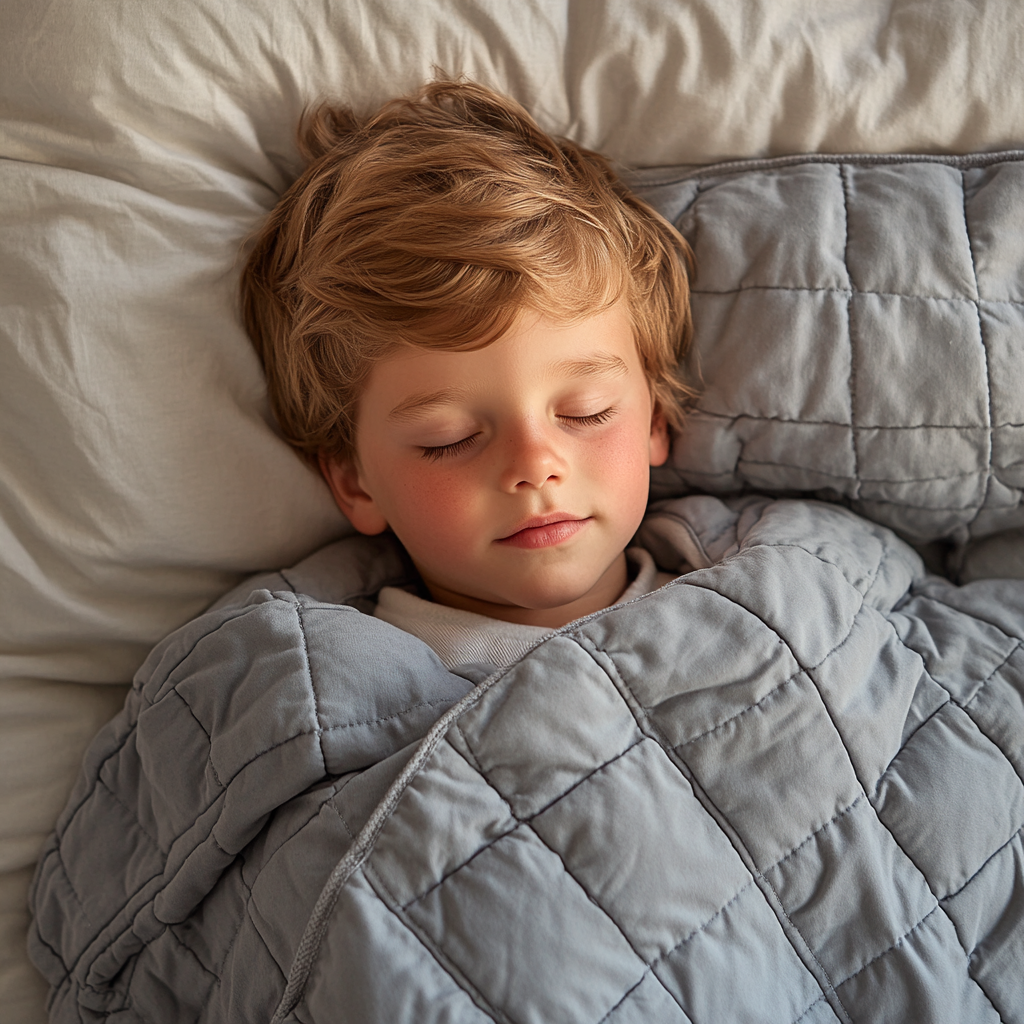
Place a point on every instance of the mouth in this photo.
(545, 531)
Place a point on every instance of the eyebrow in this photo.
(591, 366)
(409, 407)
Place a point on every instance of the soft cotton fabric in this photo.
(459, 637)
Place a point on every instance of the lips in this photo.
(546, 531)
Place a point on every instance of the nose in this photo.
(533, 459)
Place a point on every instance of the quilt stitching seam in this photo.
(245, 915)
(810, 289)
(984, 348)
(801, 668)
(966, 706)
(761, 418)
(984, 733)
(984, 682)
(134, 817)
(738, 714)
(469, 860)
(332, 804)
(356, 856)
(988, 860)
(64, 973)
(72, 967)
(115, 753)
(917, 728)
(312, 686)
(263, 942)
(255, 757)
(470, 757)
(192, 953)
(878, 817)
(924, 596)
(852, 378)
(864, 479)
(58, 853)
(981, 988)
(139, 686)
(821, 828)
(895, 945)
(591, 898)
(206, 732)
(838, 568)
(728, 168)
(380, 720)
(809, 671)
(810, 1007)
(691, 935)
(626, 995)
(436, 951)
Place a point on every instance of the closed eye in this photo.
(589, 421)
(442, 451)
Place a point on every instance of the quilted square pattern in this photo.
(473, 816)
(716, 666)
(616, 807)
(875, 898)
(512, 905)
(744, 941)
(751, 768)
(950, 999)
(751, 257)
(994, 199)
(1002, 325)
(748, 325)
(882, 295)
(906, 232)
(587, 730)
(977, 788)
(900, 345)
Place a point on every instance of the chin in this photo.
(550, 596)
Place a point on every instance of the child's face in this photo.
(514, 475)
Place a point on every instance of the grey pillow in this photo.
(859, 335)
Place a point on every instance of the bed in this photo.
(141, 473)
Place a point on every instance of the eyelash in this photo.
(590, 421)
(443, 451)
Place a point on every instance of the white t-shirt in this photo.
(459, 637)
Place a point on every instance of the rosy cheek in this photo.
(622, 449)
(435, 506)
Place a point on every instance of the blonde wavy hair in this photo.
(435, 223)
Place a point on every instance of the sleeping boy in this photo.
(475, 330)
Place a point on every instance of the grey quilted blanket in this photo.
(786, 787)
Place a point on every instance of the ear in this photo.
(342, 476)
(659, 438)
